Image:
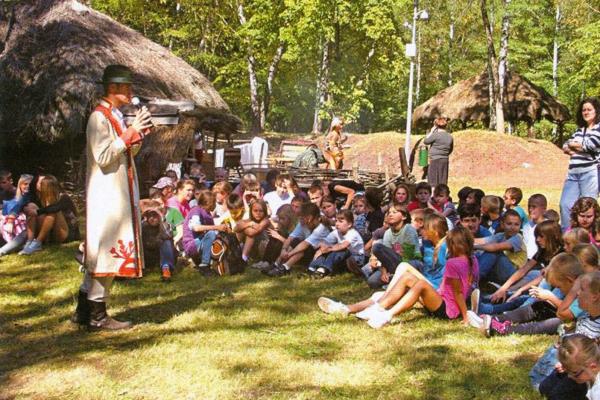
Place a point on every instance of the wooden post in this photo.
(403, 162)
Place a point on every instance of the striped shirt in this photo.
(587, 159)
(588, 326)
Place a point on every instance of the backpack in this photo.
(309, 158)
(226, 254)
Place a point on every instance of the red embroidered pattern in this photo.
(127, 254)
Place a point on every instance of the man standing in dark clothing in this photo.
(442, 144)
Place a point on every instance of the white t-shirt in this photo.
(317, 236)
(529, 238)
(275, 201)
(357, 246)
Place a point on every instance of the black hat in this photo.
(116, 74)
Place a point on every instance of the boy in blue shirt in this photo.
(512, 198)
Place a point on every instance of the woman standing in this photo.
(334, 153)
(583, 147)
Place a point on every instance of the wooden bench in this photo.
(288, 151)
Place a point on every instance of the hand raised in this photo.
(142, 121)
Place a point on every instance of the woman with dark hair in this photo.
(583, 147)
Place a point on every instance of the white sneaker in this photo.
(475, 294)
(368, 312)
(332, 307)
(474, 320)
(379, 320)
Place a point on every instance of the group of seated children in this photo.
(536, 278)
(35, 211)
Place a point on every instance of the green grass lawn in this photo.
(244, 336)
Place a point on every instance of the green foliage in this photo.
(370, 89)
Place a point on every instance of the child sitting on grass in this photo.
(574, 237)
(359, 210)
(285, 221)
(13, 224)
(221, 191)
(199, 232)
(157, 238)
(554, 381)
(580, 358)
(491, 213)
(505, 252)
(442, 203)
(422, 197)
(584, 213)
(512, 198)
(447, 302)
(252, 232)
(400, 242)
(342, 243)
(562, 273)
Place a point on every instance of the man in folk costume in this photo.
(113, 237)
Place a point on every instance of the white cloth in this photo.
(219, 157)
(245, 154)
(260, 148)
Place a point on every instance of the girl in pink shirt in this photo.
(449, 301)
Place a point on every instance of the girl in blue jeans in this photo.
(199, 231)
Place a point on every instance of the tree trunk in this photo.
(492, 64)
(365, 73)
(502, 69)
(418, 83)
(254, 100)
(269, 87)
(450, 47)
(322, 86)
(555, 59)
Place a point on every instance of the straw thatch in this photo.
(55, 52)
(468, 100)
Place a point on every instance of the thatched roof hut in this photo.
(468, 100)
(55, 52)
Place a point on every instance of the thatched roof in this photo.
(56, 51)
(468, 100)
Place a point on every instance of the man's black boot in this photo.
(81, 316)
(100, 321)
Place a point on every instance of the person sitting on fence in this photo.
(302, 243)
(334, 151)
(342, 243)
